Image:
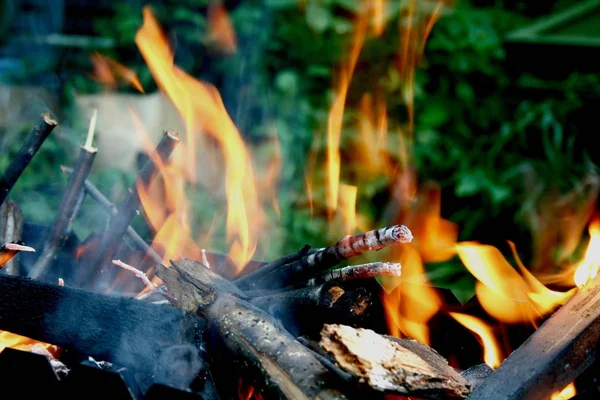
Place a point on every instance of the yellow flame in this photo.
(336, 114)
(18, 342)
(413, 302)
(502, 291)
(347, 208)
(588, 267)
(202, 110)
(568, 392)
(492, 355)
(379, 8)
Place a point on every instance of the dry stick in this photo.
(21, 160)
(554, 355)
(11, 228)
(328, 257)
(69, 205)
(131, 233)
(130, 207)
(245, 281)
(362, 271)
(9, 250)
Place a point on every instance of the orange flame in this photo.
(588, 267)
(568, 392)
(336, 114)
(492, 355)
(413, 302)
(110, 72)
(202, 110)
(502, 291)
(18, 342)
(347, 208)
(379, 8)
(221, 29)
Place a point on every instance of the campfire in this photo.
(118, 316)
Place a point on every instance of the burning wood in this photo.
(370, 270)
(309, 307)
(28, 150)
(128, 209)
(280, 366)
(153, 288)
(135, 238)
(69, 206)
(9, 250)
(555, 354)
(393, 365)
(128, 332)
(328, 257)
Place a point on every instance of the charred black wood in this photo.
(21, 160)
(246, 281)
(328, 257)
(11, 229)
(304, 311)
(136, 240)
(67, 211)
(554, 355)
(121, 330)
(99, 263)
(240, 335)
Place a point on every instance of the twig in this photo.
(154, 288)
(131, 233)
(328, 257)
(21, 160)
(362, 271)
(61, 282)
(205, 259)
(69, 206)
(129, 208)
(11, 229)
(9, 250)
(246, 281)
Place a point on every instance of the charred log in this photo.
(122, 330)
(277, 365)
(554, 355)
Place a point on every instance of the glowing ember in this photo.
(18, 342)
(492, 354)
(568, 392)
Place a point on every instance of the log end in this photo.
(48, 120)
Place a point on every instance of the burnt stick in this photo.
(554, 355)
(9, 250)
(328, 257)
(19, 162)
(127, 210)
(122, 330)
(245, 281)
(69, 206)
(131, 233)
(11, 228)
(351, 272)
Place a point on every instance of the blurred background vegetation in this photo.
(498, 131)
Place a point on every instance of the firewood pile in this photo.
(292, 328)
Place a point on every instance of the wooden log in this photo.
(304, 311)
(122, 330)
(352, 272)
(21, 160)
(276, 364)
(69, 206)
(554, 355)
(11, 228)
(245, 280)
(328, 257)
(392, 365)
(106, 251)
